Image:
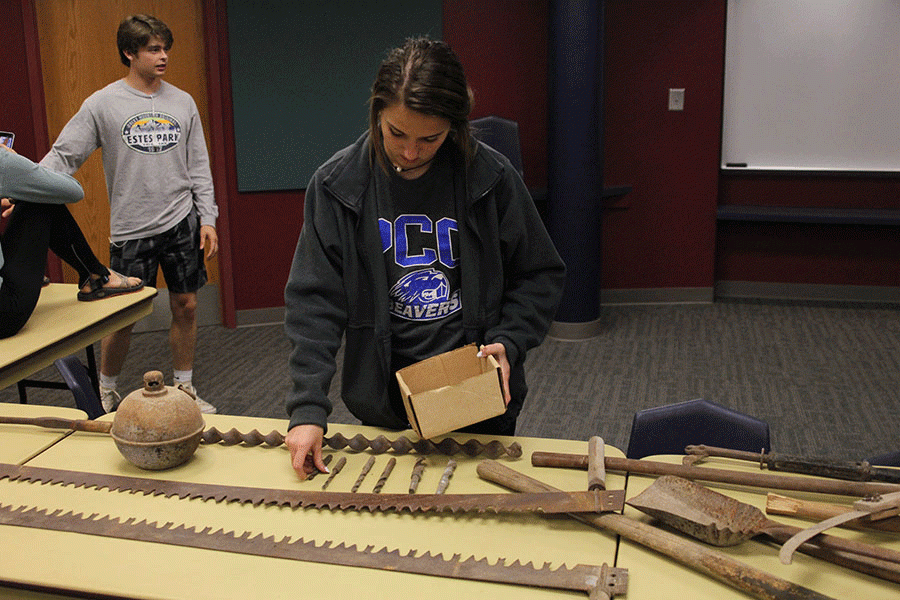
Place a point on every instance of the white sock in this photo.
(184, 378)
(109, 382)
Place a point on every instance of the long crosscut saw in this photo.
(599, 582)
(549, 503)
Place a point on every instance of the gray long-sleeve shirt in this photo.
(154, 157)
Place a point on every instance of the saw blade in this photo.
(548, 503)
(585, 578)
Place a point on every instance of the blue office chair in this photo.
(891, 459)
(75, 374)
(503, 136)
(668, 429)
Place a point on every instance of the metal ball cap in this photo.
(157, 427)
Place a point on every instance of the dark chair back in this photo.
(503, 136)
(891, 459)
(668, 429)
(75, 374)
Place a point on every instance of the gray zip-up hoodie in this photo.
(512, 280)
(154, 157)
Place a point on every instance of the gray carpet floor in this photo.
(826, 377)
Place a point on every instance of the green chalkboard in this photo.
(301, 71)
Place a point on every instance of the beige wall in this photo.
(79, 56)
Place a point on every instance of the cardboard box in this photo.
(451, 390)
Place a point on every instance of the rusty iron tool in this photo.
(327, 460)
(875, 507)
(388, 468)
(445, 478)
(592, 580)
(762, 480)
(821, 467)
(777, 504)
(338, 467)
(720, 520)
(707, 561)
(416, 476)
(362, 474)
(358, 443)
(378, 445)
(596, 464)
(559, 502)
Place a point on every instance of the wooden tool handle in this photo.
(819, 511)
(713, 563)
(596, 464)
(60, 423)
(753, 478)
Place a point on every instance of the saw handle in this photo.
(60, 423)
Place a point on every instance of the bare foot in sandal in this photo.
(98, 287)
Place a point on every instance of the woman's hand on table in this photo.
(305, 444)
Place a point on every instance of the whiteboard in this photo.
(812, 85)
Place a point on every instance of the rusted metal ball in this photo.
(157, 427)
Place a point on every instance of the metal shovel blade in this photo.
(700, 512)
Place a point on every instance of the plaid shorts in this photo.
(177, 251)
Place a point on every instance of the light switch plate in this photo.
(676, 98)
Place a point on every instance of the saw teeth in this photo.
(478, 503)
(501, 571)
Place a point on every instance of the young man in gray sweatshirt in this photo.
(162, 206)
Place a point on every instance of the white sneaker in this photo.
(205, 407)
(110, 399)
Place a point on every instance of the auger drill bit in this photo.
(416, 476)
(379, 445)
(337, 469)
(388, 468)
(445, 478)
(362, 474)
(327, 460)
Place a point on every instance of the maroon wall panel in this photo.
(797, 189)
(808, 254)
(265, 227)
(503, 47)
(18, 112)
(798, 253)
(663, 233)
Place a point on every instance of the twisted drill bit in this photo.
(384, 475)
(337, 469)
(326, 460)
(379, 445)
(362, 474)
(445, 478)
(402, 445)
(416, 475)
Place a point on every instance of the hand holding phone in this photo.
(7, 138)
